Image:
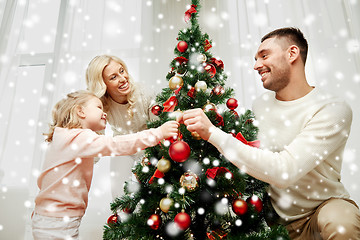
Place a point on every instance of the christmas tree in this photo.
(185, 188)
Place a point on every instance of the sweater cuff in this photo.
(217, 137)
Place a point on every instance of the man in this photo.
(303, 133)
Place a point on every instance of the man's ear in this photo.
(294, 53)
(80, 112)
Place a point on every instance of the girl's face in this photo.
(93, 115)
(117, 82)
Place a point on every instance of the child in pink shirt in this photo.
(68, 167)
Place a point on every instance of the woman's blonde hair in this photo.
(64, 113)
(95, 82)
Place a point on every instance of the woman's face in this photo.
(117, 82)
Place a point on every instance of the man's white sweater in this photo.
(301, 152)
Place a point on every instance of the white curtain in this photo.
(45, 47)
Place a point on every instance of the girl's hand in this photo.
(170, 129)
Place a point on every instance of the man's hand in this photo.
(197, 121)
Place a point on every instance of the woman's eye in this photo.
(113, 77)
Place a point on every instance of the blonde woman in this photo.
(127, 106)
(67, 170)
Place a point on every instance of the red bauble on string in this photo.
(232, 103)
(182, 46)
(154, 221)
(239, 207)
(179, 151)
(113, 219)
(183, 220)
(156, 110)
(256, 202)
(210, 69)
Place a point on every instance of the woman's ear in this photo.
(80, 112)
(294, 53)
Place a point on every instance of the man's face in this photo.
(272, 64)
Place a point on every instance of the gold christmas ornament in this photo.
(175, 82)
(209, 106)
(163, 165)
(189, 181)
(195, 136)
(200, 86)
(165, 204)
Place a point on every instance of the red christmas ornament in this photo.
(207, 45)
(128, 210)
(179, 151)
(217, 62)
(183, 220)
(232, 103)
(210, 69)
(256, 202)
(239, 206)
(156, 110)
(182, 46)
(154, 221)
(113, 219)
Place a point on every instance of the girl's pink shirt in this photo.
(68, 167)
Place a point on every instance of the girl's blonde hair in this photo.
(64, 113)
(95, 82)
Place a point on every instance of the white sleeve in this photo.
(325, 133)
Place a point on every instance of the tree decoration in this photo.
(190, 11)
(210, 69)
(156, 110)
(218, 90)
(256, 202)
(165, 204)
(239, 206)
(217, 63)
(195, 136)
(209, 107)
(191, 92)
(154, 221)
(179, 151)
(175, 82)
(182, 46)
(164, 165)
(189, 181)
(145, 162)
(201, 58)
(182, 220)
(200, 86)
(170, 104)
(232, 103)
(207, 45)
(113, 219)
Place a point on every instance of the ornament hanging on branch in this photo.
(113, 219)
(217, 63)
(164, 165)
(200, 86)
(218, 90)
(189, 181)
(210, 69)
(154, 221)
(156, 110)
(179, 151)
(176, 82)
(207, 45)
(232, 103)
(182, 220)
(195, 136)
(256, 202)
(239, 206)
(165, 204)
(182, 46)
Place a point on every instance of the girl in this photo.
(127, 106)
(67, 171)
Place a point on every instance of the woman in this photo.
(127, 106)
